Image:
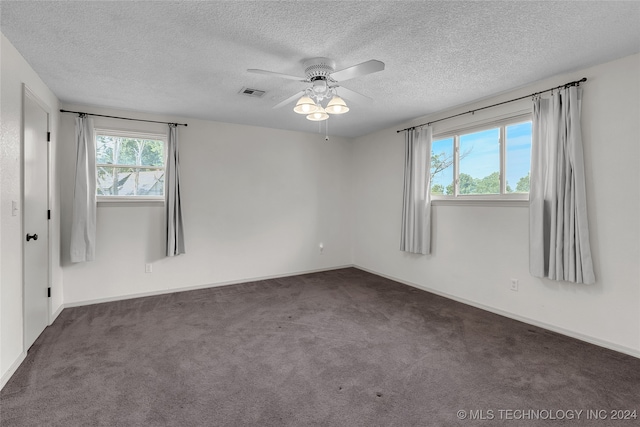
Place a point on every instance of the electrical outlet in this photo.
(148, 268)
(514, 285)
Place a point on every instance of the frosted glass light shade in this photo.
(305, 105)
(336, 106)
(318, 115)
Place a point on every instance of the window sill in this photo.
(129, 201)
(492, 201)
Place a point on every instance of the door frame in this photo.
(27, 92)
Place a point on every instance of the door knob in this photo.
(32, 236)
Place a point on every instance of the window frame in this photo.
(107, 131)
(455, 133)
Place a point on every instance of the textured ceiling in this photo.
(189, 58)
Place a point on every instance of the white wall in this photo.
(479, 248)
(14, 73)
(257, 202)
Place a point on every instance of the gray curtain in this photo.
(83, 226)
(416, 206)
(558, 227)
(173, 208)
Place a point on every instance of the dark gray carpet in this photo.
(339, 348)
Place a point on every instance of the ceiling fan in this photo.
(320, 72)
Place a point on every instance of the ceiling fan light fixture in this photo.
(336, 106)
(322, 75)
(305, 105)
(318, 115)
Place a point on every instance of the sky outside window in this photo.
(518, 156)
(480, 167)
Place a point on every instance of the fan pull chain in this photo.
(326, 130)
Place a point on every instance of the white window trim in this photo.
(487, 201)
(505, 199)
(130, 199)
(125, 200)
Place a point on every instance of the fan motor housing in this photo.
(319, 69)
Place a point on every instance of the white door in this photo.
(35, 219)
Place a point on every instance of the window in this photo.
(473, 163)
(130, 166)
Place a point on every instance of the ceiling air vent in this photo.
(256, 93)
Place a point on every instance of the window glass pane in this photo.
(118, 181)
(129, 151)
(518, 157)
(442, 167)
(153, 153)
(111, 180)
(129, 166)
(150, 182)
(480, 162)
(104, 149)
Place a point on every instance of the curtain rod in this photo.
(574, 83)
(123, 118)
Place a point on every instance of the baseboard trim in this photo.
(196, 287)
(12, 369)
(56, 313)
(586, 338)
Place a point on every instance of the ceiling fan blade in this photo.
(271, 73)
(289, 100)
(368, 67)
(353, 95)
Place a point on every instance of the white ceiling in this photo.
(189, 58)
